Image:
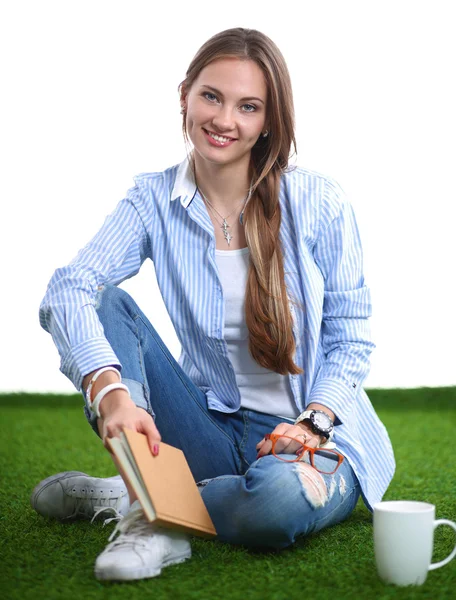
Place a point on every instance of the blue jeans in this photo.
(265, 503)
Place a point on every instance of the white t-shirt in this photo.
(261, 389)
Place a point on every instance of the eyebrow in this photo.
(213, 89)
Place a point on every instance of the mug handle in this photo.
(452, 554)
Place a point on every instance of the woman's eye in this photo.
(210, 96)
(249, 108)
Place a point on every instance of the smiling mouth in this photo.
(219, 138)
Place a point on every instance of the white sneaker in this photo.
(141, 550)
(75, 495)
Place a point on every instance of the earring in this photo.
(266, 133)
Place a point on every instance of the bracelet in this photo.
(95, 377)
(95, 406)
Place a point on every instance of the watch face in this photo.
(322, 421)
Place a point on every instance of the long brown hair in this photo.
(267, 311)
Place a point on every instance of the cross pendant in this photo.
(226, 233)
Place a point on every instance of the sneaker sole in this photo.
(49, 481)
(145, 573)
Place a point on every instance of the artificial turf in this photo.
(39, 558)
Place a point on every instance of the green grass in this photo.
(39, 558)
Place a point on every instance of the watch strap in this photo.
(303, 416)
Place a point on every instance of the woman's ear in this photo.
(183, 98)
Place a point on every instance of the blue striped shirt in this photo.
(164, 218)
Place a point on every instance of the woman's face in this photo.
(226, 110)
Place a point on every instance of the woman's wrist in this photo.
(104, 393)
(102, 381)
(113, 401)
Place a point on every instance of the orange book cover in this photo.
(164, 484)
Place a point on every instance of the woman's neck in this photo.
(225, 186)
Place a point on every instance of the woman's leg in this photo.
(275, 502)
(159, 385)
(257, 503)
(266, 502)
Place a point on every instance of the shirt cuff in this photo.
(337, 395)
(87, 357)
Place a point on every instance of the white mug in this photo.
(404, 540)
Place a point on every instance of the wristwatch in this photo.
(319, 422)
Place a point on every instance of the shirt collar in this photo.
(185, 185)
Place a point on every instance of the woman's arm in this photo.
(346, 309)
(68, 310)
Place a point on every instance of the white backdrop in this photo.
(89, 99)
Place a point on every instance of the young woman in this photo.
(260, 268)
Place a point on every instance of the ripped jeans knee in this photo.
(276, 502)
(317, 490)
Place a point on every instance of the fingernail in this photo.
(155, 449)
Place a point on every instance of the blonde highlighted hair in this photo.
(267, 310)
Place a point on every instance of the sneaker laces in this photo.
(99, 509)
(133, 530)
(85, 505)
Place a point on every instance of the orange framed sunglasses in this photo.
(313, 453)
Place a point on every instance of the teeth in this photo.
(219, 138)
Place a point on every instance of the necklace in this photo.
(224, 225)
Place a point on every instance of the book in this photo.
(164, 484)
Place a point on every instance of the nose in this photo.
(223, 120)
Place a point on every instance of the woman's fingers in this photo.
(264, 449)
(110, 431)
(299, 435)
(153, 437)
(135, 419)
(287, 446)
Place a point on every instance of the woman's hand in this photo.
(313, 440)
(117, 411)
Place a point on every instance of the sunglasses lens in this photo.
(325, 461)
